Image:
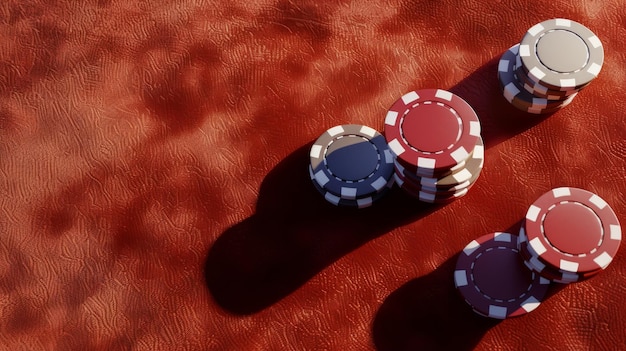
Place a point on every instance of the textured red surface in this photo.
(154, 192)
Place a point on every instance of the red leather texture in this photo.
(154, 187)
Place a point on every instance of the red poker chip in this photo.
(493, 280)
(431, 196)
(573, 230)
(432, 130)
(421, 172)
(405, 181)
(551, 273)
(455, 181)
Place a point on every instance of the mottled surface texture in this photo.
(154, 192)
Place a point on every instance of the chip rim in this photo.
(552, 255)
(429, 164)
(362, 202)
(514, 92)
(348, 189)
(468, 173)
(553, 79)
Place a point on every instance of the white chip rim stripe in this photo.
(537, 246)
(594, 69)
(568, 83)
(391, 118)
(388, 156)
(503, 66)
(409, 97)
(563, 22)
(348, 193)
(380, 183)
(502, 237)
(598, 201)
(524, 50)
(460, 278)
(459, 154)
(511, 91)
(316, 151)
(536, 73)
(475, 128)
(530, 304)
(398, 179)
(479, 151)
(603, 260)
(335, 130)
(536, 29)
(595, 41)
(471, 247)
(561, 192)
(462, 175)
(321, 178)
(365, 202)
(497, 311)
(369, 131)
(615, 232)
(533, 213)
(538, 265)
(568, 266)
(396, 147)
(426, 163)
(426, 196)
(444, 94)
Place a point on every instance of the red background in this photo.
(155, 196)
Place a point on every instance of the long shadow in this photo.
(294, 233)
(428, 313)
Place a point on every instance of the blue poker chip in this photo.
(361, 202)
(352, 161)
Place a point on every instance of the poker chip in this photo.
(472, 166)
(572, 230)
(561, 54)
(494, 281)
(538, 90)
(514, 92)
(407, 185)
(553, 62)
(435, 138)
(532, 261)
(351, 161)
(430, 131)
(447, 188)
(361, 202)
(427, 195)
(565, 220)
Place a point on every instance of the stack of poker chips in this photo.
(568, 235)
(555, 60)
(351, 165)
(434, 136)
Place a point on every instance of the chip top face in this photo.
(431, 129)
(561, 54)
(351, 161)
(573, 229)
